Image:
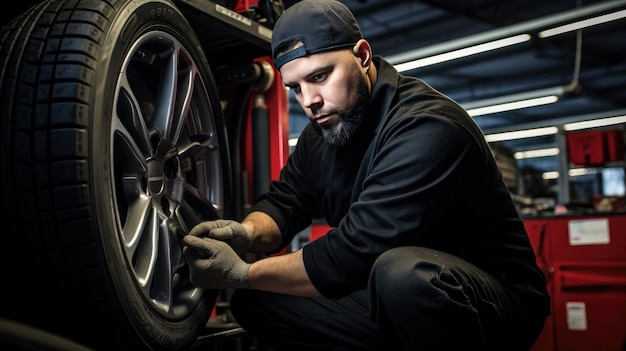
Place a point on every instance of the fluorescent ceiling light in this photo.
(550, 175)
(506, 36)
(520, 134)
(516, 101)
(574, 172)
(595, 123)
(516, 105)
(582, 24)
(468, 51)
(553, 151)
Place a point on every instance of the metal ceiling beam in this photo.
(500, 33)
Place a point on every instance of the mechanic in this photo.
(426, 251)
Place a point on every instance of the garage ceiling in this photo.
(399, 28)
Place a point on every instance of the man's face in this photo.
(332, 90)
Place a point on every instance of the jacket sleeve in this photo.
(294, 199)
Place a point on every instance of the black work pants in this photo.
(417, 299)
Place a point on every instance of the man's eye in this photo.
(319, 76)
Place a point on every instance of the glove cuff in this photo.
(239, 276)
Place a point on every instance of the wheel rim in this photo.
(166, 166)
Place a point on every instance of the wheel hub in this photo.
(156, 178)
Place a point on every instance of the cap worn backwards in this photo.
(320, 25)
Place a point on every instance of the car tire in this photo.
(112, 145)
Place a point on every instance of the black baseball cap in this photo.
(321, 25)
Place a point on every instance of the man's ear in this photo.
(363, 51)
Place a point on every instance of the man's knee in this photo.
(403, 269)
(417, 286)
(407, 272)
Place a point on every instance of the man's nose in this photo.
(310, 97)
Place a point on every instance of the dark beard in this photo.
(350, 120)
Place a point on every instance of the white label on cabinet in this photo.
(576, 315)
(589, 232)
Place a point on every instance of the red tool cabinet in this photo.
(537, 232)
(584, 258)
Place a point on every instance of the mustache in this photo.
(316, 113)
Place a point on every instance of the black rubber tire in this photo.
(112, 146)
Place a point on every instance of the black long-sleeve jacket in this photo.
(419, 173)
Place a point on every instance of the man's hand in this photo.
(231, 232)
(214, 265)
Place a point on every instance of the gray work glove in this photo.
(231, 232)
(213, 264)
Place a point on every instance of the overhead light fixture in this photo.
(570, 27)
(553, 151)
(521, 134)
(516, 105)
(538, 130)
(468, 51)
(550, 175)
(594, 123)
(507, 36)
(518, 101)
(574, 172)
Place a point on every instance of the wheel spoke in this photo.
(187, 72)
(129, 113)
(161, 289)
(145, 255)
(174, 94)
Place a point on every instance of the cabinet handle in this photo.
(576, 279)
